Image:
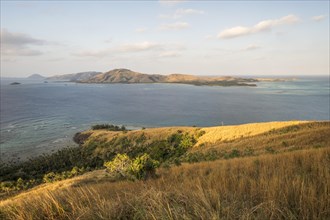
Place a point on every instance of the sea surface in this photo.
(38, 117)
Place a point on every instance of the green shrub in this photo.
(50, 177)
(119, 166)
(187, 141)
(123, 167)
(270, 150)
(108, 127)
(7, 186)
(248, 152)
(144, 166)
(234, 153)
(194, 157)
(200, 134)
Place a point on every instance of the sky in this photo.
(162, 37)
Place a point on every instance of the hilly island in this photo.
(129, 77)
(272, 170)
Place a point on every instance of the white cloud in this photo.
(259, 27)
(181, 12)
(18, 44)
(251, 47)
(138, 47)
(55, 59)
(93, 53)
(141, 30)
(175, 26)
(189, 11)
(319, 17)
(124, 48)
(108, 41)
(18, 51)
(170, 2)
(209, 37)
(169, 54)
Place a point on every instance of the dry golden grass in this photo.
(212, 134)
(290, 185)
(289, 138)
(228, 133)
(293, 185)
(150, 133)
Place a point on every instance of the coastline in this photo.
(213, 134)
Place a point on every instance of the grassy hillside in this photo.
(209, 143)
(254, 171)
(284, 186)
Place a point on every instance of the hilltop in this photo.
(252, 171)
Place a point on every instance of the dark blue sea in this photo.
(38, 117)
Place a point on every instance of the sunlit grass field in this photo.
(287, 176)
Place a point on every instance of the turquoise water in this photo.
(39, 117)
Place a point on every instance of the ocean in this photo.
(38, 117)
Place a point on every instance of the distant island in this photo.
(36, 77)
(15, 83)
(127, 76)
(74, 77)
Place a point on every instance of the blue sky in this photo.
(193, 37)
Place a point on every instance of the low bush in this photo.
(108, 127)
(123, 167)
(52, 177)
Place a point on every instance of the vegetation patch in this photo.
(108, 127)
(123, 167)
(171, 146)
(291, 185)
(62, 163)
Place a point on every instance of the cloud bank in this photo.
(18, 44)
(170, 2)
(141, 30)
(251, 47)
(174, 26)
(124, 48)
(265, 25)
(169, 54)
(138, 47)
(319, 17)
(179, 13)
(162, 49)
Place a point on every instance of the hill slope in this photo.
(292, 185)
(124, 76)
(74, 77)
(213, 142)
(253, 171)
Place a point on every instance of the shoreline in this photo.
(242, 131)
